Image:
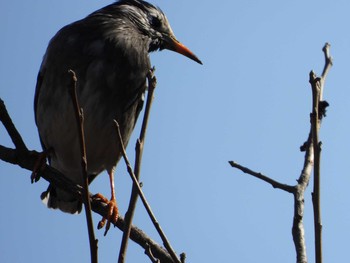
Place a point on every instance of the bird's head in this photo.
(152, 22)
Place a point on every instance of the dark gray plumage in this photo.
(109, 52)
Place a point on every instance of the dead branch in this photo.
(152, 82)
(26, 159)
(318, 111)
(144, 201)
(275, 184)
(79, 115)
(312, 148)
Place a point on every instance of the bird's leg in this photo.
(39, 163)
(112, 208)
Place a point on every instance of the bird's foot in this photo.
(39, 164)
(112, 212)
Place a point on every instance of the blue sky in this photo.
(249, 102)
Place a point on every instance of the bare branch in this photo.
(275, 184)
(317, 86)
(144, 201)
(11, 129)
(27, 160)
(85, 182)
(328, 61)
(312, 149)
(152, 82)
(298, 231)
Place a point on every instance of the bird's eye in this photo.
(155, 21)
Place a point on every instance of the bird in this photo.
(109, 52)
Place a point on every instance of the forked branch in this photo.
(312, 148)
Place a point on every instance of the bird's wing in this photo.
(39, 82)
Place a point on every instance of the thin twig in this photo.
(152, 82)
(86, 199)
(275, 184)
(317, 86)
(315, 126)
(327, 66)
(144, 201)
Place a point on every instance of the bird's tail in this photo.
(57, 198)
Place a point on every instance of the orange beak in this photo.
(173, 44)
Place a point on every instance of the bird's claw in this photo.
(112, 212)
(39, 164)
